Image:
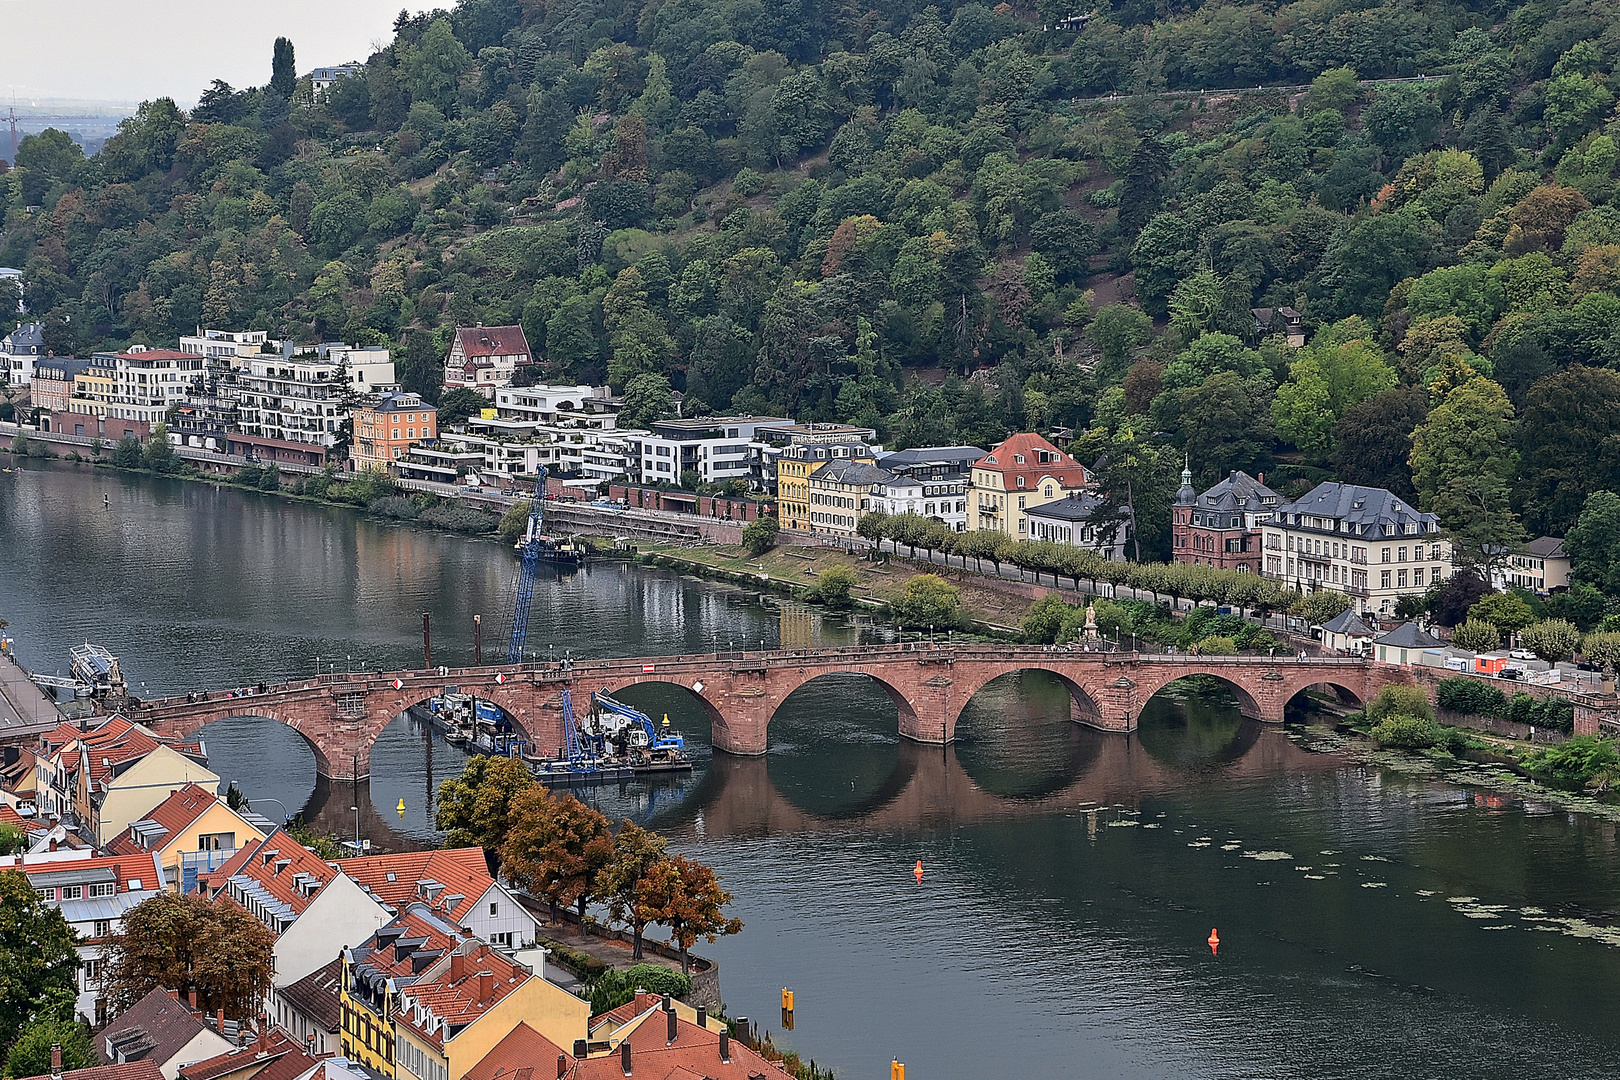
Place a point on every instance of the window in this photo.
(1383, 578)
(1020, 481)
(1417, 577)
(101, 928)
(501, 941)
(46, 894)
(92, 968)
(102, 888)
(495, 909)
(1400, 555)
(1386, 556)
(1400, 579)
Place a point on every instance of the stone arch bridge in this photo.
(341, 715)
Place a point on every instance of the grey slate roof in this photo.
(1546, 547)
(1409, 635)
(848, 471)
(1076, 507)
(1349, 624)
(29, 337)
(1374, 511)
(961, 457)
(316, 995)
(155, 1028)
(1239, 492)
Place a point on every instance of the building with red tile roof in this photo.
(311, 1009)
(105, 777)
(1023, 472)
(272, 1055)
(644, 1040)
(130, 1070)
(483, 358)
(375, 972)
(314, 908)
(92, 892)
(455, 881)
(193, 831)
(163, 1030)
(466, 1003)
(524, 1054)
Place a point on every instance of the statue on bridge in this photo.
(1090, 628)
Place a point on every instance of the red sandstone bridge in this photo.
(341, 716)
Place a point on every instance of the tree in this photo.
(460, 403)
(833, 585)
(1372, 442)
(39, 966)
(621, 881)
(1462, 460)
(30, 1055)
(283, 70)
(189, 943)
(1508, 612)
(1569, 446)
(647, 398)
(1602, 648)
(927, 600)
(1322, 605)
(1476, 635)
(1594, 543)
(556, 847)
(1551, 639)
(423, 373)
(475, 807)
(1324, 382)
(759, 536)
(159, 455)
(686, 896)
(1044, 620)
(1223, 427)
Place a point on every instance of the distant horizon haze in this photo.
(113, 51)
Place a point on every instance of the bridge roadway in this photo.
(341, 715)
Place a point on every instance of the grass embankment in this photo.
(796, 569)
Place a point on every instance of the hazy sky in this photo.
(138, 49)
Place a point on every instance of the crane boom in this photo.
(529, 566)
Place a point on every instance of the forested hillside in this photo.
(947, 222)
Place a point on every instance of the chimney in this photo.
(674, 1031)
(1261, 478)
(191, 999)
(175, 994)
(725, 1046)
(581, 1048)
(486, 986)
(666, 1006)
(56, 1061)
(562, 1065)
(703, 1016)
(219, 1021)
(624, 1052)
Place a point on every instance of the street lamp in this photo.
(356, 810)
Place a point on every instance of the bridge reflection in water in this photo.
(837, 764)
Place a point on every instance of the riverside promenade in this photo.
(24, 707)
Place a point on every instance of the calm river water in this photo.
(1371, 925)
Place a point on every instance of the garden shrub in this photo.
(1407, 733)
(1471, 696)
(458, 518)
(392, 506)
(1399, 701)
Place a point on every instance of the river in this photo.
(1371, 924)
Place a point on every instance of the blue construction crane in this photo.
(655, 741)
(573, 746)
(531, 549)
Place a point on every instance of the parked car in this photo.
(1522, 654)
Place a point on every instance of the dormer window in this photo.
(1020, 481)
(1019, 458)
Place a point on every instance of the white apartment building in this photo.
(931, 481)
(590, 406)
(19, 350)
(716, 448)
(230, 346)
(146, 382)
(520, 448)
(297, 399)
(1357, 540)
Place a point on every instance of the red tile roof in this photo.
(519, 1056)
(277, 867)
(158, 354)
(174, 814)
(694, 1053)
(492, 341)
(130, 1070)
(1040, 458)
(8, 816)
(277, 1055)
(402, 877)
(468, 986)
(422, 932)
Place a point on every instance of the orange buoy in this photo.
(918, 871)
(1214, 942)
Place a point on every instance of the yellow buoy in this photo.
(897, 1070)
(400, 809)
(787, 1000)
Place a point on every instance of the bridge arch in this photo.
(1153, 681)
(1083, 701)
(720, 731)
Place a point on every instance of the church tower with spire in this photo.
(1221, 526)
